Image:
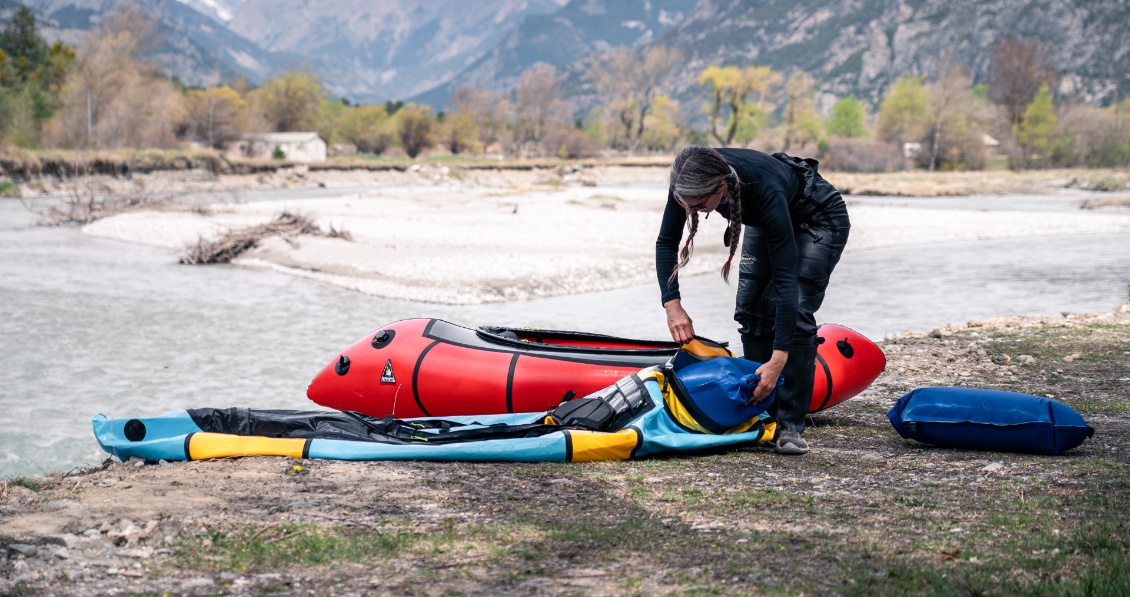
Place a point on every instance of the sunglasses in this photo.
(693, 205)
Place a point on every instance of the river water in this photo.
(95, 326)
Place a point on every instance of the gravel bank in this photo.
(498, 236)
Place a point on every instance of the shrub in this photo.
(859, 155)
(570, 143)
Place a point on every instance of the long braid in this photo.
(688, 247)
(734, 230)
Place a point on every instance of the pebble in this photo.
(23, 549)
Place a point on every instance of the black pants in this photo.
(819, 246)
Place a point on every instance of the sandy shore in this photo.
(434, 235)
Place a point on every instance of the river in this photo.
(96, 326)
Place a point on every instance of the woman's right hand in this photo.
(680, 324)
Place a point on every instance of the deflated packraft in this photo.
(988, 420)
(645, 414)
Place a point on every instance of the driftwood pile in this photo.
(234, 242)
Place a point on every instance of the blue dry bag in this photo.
(988, 420)
(719, 388)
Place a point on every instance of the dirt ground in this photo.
(865, 512)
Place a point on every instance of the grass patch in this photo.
(9, 189)
(258, 548)
(26, 482)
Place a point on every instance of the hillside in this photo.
(862, 46)
(410, 49)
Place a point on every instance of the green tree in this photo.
(460, 132)
(593, 126)
(31, 74)
(802, 122)
(415, 125)
(366, 128)
(847, 118)
(1037, 129)
(663, 130)
(740, 95)
(290, 102)
(214, 115)
(904, 114)
(22, 45)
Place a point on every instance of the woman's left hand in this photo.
(769, 372)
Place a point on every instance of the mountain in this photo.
(562, 38)
(196, 48)
(424, 49)
(862, 46)
(220, 10)
(373, 51)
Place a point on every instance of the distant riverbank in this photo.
(440, 235)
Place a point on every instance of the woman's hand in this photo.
(682, 329)
(769, 372)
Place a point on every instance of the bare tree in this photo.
(113, 95)
(489, 109)
(1016, 71)
(630, 85)
(538, 103)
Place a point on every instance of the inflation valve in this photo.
(342, 366)
(845, 348)
(382, 338)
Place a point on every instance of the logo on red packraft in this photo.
(387, 376)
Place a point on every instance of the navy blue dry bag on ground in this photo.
(719, 389)
(988, 420)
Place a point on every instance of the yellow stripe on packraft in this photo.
(202, 446)
(593, 446)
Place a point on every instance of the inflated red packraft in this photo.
(432, 368)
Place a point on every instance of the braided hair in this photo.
(699, 171)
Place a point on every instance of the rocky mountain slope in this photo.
(193, 46)
(560, 39)
(862, 46)
(373, 51)
(411, 49)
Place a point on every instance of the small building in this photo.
(294, 147)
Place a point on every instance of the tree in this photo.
(366, 128)
(802, 121)
(537, 103)
(415, 124)
(630, 85)
(460, 132)
(847, 118)
(663, 130)
(31, 73)
(21, 44)
(1017, 69)
(490, 111)
(1036, 131)
(743, 92)
(290, 102)
(214, 115)
(112, 99)
(904, 114)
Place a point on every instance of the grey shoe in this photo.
(790, 442)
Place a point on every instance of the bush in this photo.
(278, 154)
(570, 143)
(860, 155)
